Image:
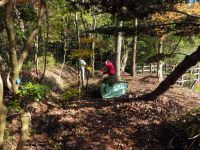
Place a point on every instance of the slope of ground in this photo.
(53, 77)
(94, 123)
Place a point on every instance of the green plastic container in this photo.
(115, 90)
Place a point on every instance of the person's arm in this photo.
(105, 69)
(84, 63)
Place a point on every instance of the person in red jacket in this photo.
(110, 69)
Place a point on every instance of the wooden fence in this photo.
(187, 79)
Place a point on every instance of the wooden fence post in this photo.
(187, 77)
(150, 68)
(191, 76)
(182, 80)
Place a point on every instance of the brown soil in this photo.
(112, 124)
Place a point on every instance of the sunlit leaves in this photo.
(99, 43)
(82, 53)
(181, 12)
(57, 12)
(173, 16)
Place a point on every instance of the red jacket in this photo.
(110, 69)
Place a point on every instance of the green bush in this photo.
(15, 105)
(34, 91)
(70, 94)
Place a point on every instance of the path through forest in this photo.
(94, 123)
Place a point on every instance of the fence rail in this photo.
(188, 79)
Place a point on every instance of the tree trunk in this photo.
(79, 46)
(33, 34)
(25, 120)
(160, 63)
(46, 46)
(134, 50)
(124, 58)
(118, 47)
(65, 52)
(3, 113)
(171, 79)
(93, 45)
(84, 24)
(15, 64)
(12, 46)
(77, 29)
(36, 53)
(5, 75)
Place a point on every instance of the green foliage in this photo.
(27, 13)
(20, 34)
(28, 66)
(34, 91)
(76, 53)
(88, 40)
(196, 89)
(185, 47)
(70, 94)
(50, 61)
(99, 43)
(58, 14)
(146, 47)
(15, 105)
(158, 57)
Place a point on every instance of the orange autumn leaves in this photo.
(178, 14)
(170, 16)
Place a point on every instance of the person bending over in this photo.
(110, 69)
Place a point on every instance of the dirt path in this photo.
(110, 124)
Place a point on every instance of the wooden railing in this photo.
(187, 79)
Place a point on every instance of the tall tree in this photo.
(134, 49)
(118, 48)
(93, 44)
(124, 56)
(160, 62)
(3, 113)
(16, 64)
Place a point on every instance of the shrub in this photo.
(34, 91)
(71, 94)
(14, 105)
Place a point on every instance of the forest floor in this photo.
(112, 124)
